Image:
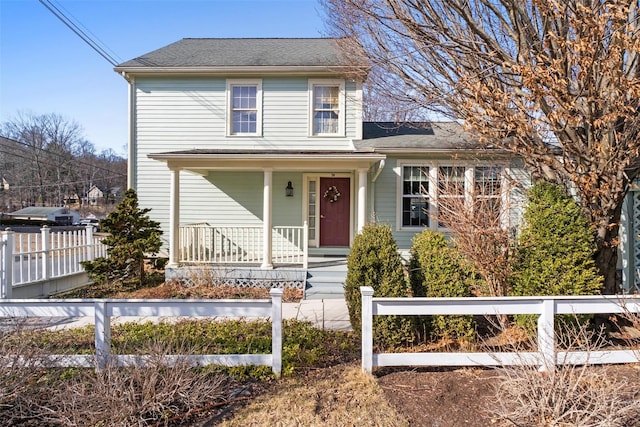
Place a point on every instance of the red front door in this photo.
(334, 211)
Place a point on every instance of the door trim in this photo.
(306, 178)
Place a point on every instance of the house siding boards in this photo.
(185, 113)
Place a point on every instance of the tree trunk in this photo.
(607, 259)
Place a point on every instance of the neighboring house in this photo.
(236, 144)
(59, 215)
(97, 195)
(94, 195)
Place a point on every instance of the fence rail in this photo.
(102, 310)
(547, 355)
(202, 243)
(32, 257)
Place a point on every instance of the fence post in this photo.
(276, 330)
(47, 260)
(546, 335)
(89, 236)
(103, 334)
(6, 268)
(367, 328)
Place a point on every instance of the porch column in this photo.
(362, 198)
(174, 217)
(267, 221)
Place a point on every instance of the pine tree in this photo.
(132, 236)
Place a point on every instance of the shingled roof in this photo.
(388, 137)
(241, 52)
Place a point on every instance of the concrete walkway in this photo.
(323, 313)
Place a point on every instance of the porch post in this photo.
(174, 217)
(267, 221)
(362, 198)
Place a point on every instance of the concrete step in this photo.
(324, 291)
(325, 283)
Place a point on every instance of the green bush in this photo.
(374, 261)
(555, 249)
(436, 269)
(132, 237)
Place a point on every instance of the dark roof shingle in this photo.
(243, 52)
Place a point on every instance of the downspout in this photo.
(381, 164)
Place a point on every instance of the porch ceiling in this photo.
(204, 160)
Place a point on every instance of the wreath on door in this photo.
(332, 194)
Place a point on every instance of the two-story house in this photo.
(254, 151)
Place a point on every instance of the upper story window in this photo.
(423, 186)
(327, 107)
(245, 107)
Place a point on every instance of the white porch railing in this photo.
(547, 355)
(32, 257)
(201, 243)
(103, 310)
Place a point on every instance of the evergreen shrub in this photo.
(374, 261)
(555, 249)
(132, 236)
(437, 269)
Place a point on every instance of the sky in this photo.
(47, 69)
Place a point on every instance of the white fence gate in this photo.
(546, 356)
(37, 257)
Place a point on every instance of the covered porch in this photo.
(213, 242)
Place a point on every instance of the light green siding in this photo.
(184, 113)
(387, 189)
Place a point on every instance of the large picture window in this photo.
(245, 112)
(424, 186)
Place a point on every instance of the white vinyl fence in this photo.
(102, 310)
(547, 355)
(33, 257)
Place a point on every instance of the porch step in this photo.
(326, 282)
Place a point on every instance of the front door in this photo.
(334, 211)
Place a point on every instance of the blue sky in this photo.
(45, 68)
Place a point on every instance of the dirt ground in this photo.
(464, 396)
(442, 398)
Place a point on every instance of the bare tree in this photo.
(554, 81)
(479, 219)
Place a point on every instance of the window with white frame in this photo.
(245, 107)
(327, 107)
(423, 185)
(415, 196)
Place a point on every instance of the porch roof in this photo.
(201, 160)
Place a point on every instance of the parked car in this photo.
(89, 221)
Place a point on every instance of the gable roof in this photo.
(237, 54)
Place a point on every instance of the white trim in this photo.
(341, 105)
(306, 177)
(434, 165)
(229, 111)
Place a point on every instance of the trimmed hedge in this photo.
(437, 269)
(374, 261)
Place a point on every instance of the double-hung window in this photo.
(415, 196)
(245, 107)
(427, 188)
(327, 107)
